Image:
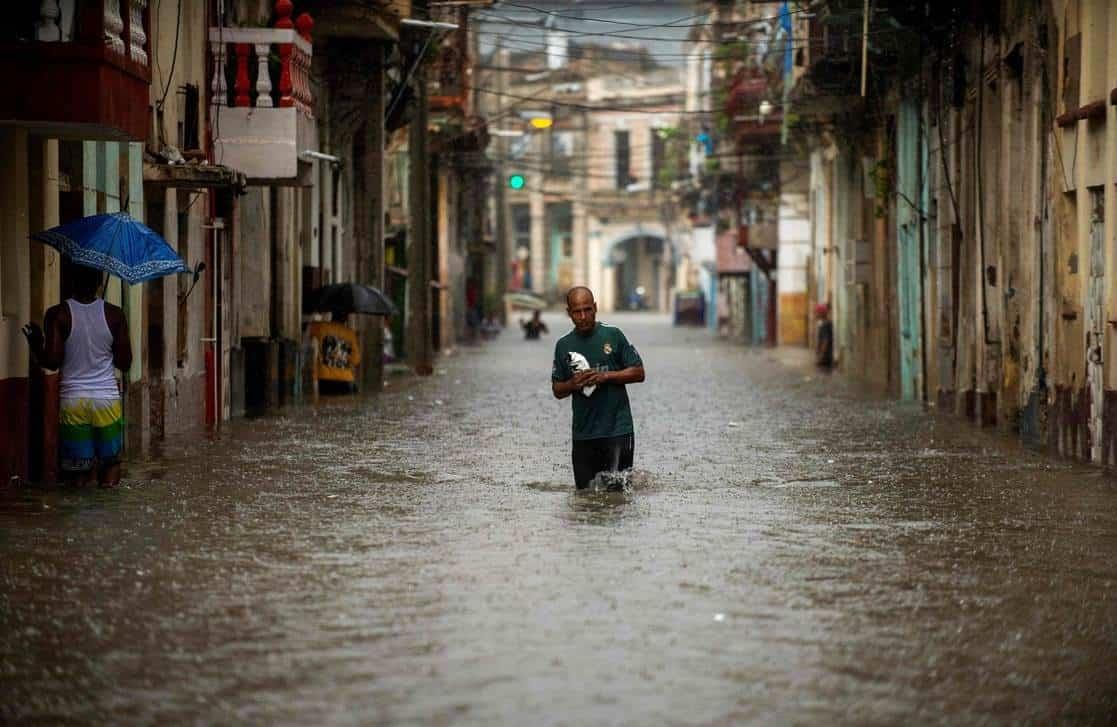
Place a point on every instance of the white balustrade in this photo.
(66, 22)
(114, 27)
(219, 88)
(138, 40)
(266, 120)
(47, 29)
(263, 77)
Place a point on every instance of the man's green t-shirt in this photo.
(605, 413)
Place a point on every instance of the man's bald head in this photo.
(578, 293)
(582, 309)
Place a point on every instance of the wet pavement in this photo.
(792, 550)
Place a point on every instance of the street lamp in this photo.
(539, 120)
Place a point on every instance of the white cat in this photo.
(579, 363)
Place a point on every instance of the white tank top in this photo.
(87, 370)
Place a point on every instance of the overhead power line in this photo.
(587, 107)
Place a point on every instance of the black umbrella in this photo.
(344, 298)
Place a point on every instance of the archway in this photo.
(638, 269)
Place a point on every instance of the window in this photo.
(335, 190)
(521, 245)
(562, 151)
(189, 136)
(183, 219)
(659, 159)
(521, 227)
(622, 154)
(562, 228)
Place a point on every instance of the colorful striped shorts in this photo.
(91, 429)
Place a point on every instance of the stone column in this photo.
(540, 235)
(420, 353)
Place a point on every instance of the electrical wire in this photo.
(659, 110)
(669, 24)
(520, 43)
(174, 54)
(634, 27)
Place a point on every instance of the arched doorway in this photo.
(639, 273)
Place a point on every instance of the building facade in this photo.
(261, 139)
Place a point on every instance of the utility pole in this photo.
(504, 250)
(372, 353)
(420, 352)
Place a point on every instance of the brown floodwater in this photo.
(790, 550)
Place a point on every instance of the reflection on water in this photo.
(423, 557)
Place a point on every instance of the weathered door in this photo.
(908, 232)
(1095, 319)
(759, 307)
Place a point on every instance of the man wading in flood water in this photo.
(593, 363)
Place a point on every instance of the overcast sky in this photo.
(519, 24)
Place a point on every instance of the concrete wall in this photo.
(15, 303)
(1017, 230)
(178, 390)
(254, 260)
(794, 252)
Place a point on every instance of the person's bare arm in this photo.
(57, 324)
(631, 375)
(563, 389)
(121, 341)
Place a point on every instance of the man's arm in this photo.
(631, 375)
(563, 389)
(53, 348)
(121, 341)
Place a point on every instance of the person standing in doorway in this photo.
(87, 338)
(593, 363)
(824, 344)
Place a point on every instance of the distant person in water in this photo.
(593, 364)
(535, 327)
(86, 338)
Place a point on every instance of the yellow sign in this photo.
(339, 353)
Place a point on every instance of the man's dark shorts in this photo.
(609, 454)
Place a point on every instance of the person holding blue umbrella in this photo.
(87, 338)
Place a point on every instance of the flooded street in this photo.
(791, 550)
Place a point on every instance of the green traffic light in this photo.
(517, 181)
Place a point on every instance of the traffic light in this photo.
(516, 181)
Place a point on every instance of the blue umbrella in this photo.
(116, 243)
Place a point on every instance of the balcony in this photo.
(77, 70)
(263, 102)
(448, 79)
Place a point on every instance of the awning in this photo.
(194, 176)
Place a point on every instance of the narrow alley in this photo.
(791, 550)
